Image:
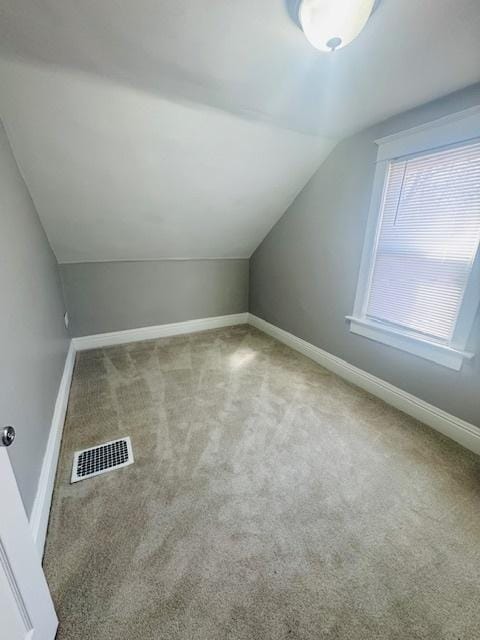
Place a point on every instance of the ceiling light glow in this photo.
(331, 24)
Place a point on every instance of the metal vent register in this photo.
(106, 457)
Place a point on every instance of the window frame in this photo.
(453, 130)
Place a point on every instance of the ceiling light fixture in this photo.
(331, 24)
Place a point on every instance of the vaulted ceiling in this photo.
(154, 129)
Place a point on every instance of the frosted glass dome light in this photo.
(332, 24)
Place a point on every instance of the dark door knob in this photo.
(8, 436)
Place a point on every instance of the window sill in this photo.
(441, 354)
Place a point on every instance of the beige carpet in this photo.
(268, 500)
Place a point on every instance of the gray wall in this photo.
(33, 339)
(303, 276)
(110, 296)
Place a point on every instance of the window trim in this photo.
(455, 129)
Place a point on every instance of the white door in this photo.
(26, 607)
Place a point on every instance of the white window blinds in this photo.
(427, 241)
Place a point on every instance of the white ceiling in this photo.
(154, 129)
(120, 174)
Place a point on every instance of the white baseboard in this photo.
(159, 331)
(459, 430)
(43, 498)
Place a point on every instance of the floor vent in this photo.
(106, 457)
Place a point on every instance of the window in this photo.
(419, 285)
